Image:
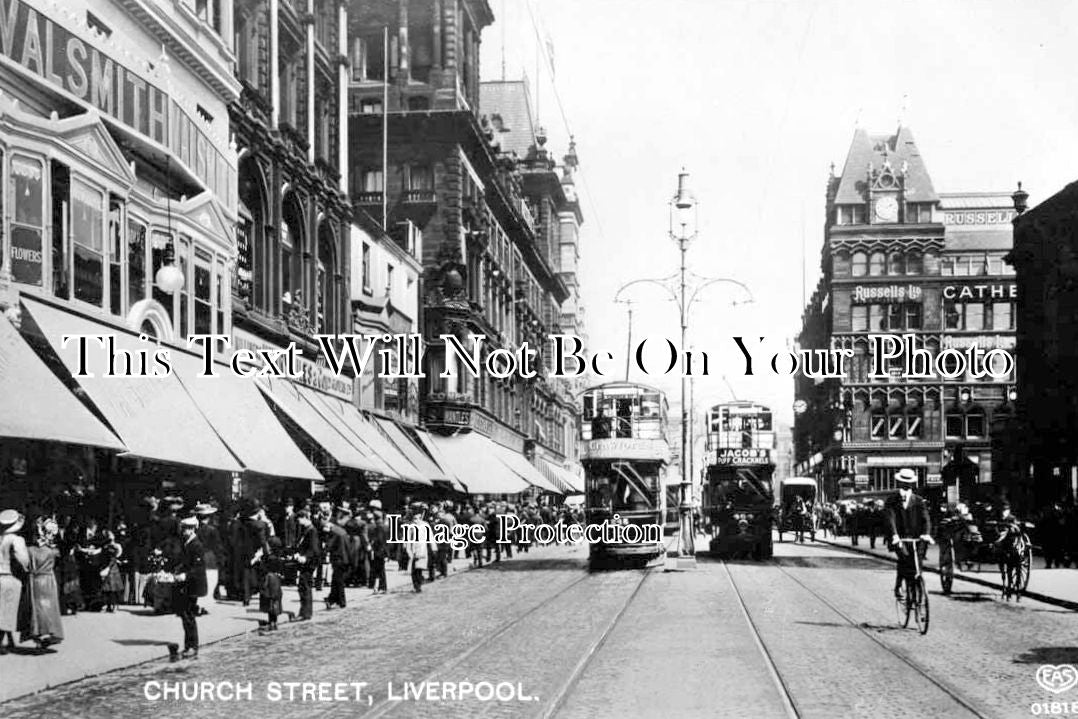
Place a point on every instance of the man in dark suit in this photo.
(308, 555)
(907, 517)
(377, 549)
(190, 584)
(338, 549)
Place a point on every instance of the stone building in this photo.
(899, 258)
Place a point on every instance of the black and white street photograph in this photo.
(551, 359)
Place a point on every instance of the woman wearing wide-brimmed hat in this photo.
(39, 616)
(14, 559)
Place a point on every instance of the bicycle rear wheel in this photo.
(947, 567)
(920, 607)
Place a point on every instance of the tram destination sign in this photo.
(732, 456)
(628, 448)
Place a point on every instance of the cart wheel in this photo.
(1024, 569)
(947, 568)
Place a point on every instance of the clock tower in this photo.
(887, 190)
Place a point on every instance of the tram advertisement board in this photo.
(730, 456)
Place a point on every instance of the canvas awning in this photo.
(427, 440)
(415, 454)
(527, 471)
(154, 416)
(561, 477)
(286, 395)
(239, 414)
(473, 459)
(46, 409)
(349, 419)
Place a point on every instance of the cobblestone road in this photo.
(629, 643)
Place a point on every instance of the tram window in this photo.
(589, 406)
(600, 425)
(649, 405)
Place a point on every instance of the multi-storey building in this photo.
(900, 259)
(119, 197)
(1041, 454)
(422, 153)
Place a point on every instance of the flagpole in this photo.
(385, 127)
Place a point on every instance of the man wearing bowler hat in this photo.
(907, 518)
(190, 584)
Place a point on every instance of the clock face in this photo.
(887, 209)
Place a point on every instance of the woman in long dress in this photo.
(39, 616)
(14, 559)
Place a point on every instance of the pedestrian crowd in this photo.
(171, 553)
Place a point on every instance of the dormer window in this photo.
(850, 215)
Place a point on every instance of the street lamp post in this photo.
(682, 213)
(684, 287)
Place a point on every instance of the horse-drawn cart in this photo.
(1003, 543)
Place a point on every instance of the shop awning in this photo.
(473, 459)
(239, 414)
(527, 471)
(427, 440)
(40, 406)
(154, 416)
(561, 477)
(286, 395)
(415, 454)
(350, 420)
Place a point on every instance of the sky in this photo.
(756, 99)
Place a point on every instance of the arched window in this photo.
(896, 264)
(876, 263)
(292, 250)
(914, 265)
(859, 264)
(326, 281)
(254, 274)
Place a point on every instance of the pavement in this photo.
(96, 642)
(1052, 586)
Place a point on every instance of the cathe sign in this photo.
(977, 293)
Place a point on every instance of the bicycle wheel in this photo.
(1025, 566)
(900, 611)
(947, 567)
(920, 608)
(911, 599)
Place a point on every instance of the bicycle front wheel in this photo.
(910, 600)
(920, 609)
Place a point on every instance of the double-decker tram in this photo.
(625, 457)
(738, 497)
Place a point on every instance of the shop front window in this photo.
(183, 250)
(159, 242)
(116, 254)
(87, 216)
(136, 262)
(28, 222)
(203, 292)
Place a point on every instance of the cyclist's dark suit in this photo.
(907, 522)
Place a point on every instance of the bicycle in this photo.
(915, 599)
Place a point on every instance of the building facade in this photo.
(424, 154)
(116, 163)
(899, 258)
(1042, 455)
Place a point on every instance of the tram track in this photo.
(951, 692)
(457, 665)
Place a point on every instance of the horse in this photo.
(1012, 546)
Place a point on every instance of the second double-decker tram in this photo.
(625, 457)
(738, 494)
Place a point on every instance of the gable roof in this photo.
(510, 99)
(897, 149)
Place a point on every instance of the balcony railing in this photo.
(368, 198)
(420, 197)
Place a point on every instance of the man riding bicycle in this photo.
(907, 517)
